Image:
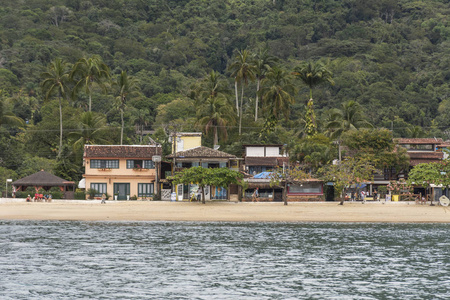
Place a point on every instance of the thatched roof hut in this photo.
(45, 180)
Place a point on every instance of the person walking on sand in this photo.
(103, 199)
(255, 195)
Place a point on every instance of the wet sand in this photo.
(393, 212)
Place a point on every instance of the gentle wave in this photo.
(187, 260)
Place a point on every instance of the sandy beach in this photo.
(393, 212)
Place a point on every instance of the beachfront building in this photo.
(260, 160)
(305, 190)
(264, 158)
(45, 181)
(207, 158)
(422, 150)
(122, 172)
(419, 150)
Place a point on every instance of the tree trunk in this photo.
(256, 102)
(237, 96)
(240, 113)
(216, 137)
(60, 127)
(90, 101)
(121, 131)
(203, 195)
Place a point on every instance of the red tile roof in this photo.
(420, 141)
(116, 151)
(201, 152)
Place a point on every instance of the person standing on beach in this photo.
(199, 194)
(103, 199)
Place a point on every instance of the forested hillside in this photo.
(196, 65)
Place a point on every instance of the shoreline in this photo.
(92, 210)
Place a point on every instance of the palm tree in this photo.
(55, 81)
(349, 117)
(313, 74)
(277, 92)
(89, 72)
(141, 119)
(243, 71)
(263, 62)
(127, 87)
(8, 117)
(213, 85)
(91, 128)
(415, 132)
(215, 114)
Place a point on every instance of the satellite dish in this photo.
(444, 201)
(216, 147)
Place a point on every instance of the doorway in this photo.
(122, 190)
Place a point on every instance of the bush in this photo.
(91, 193)
(80, 195)
(56, 193)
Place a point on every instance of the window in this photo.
(145, 189)
(306, 188)
(213, 165)
(100, 188)
(140, 164)
(104, 163)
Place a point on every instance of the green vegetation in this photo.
(240, 71)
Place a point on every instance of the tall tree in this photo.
(90, 72)
(91, 128)
(277, 92)
(349, 117)
(127, 87)
(214, 112)
(313, 74)
(243, 71)
(55, 81)
(263, 62)
(7, 117)
(141, 119)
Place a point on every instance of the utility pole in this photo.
(174, 137)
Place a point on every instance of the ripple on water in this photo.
(161, 260)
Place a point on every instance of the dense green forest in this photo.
(237, 70)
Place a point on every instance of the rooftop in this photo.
(201, 152)
(420, 141)
(121, 151)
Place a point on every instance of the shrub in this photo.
(80, 195)
(56, 193)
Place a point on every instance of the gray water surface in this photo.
(184, 260)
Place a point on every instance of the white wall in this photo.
(272, 151)
(254, 151)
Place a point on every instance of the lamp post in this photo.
(6, 191)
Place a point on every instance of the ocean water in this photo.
(188, 260)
